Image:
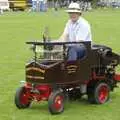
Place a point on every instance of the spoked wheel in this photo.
(22, 98)
(56, 102)
(99, 93)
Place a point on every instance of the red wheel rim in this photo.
(24, 98)
(58, 103)
(103, 94)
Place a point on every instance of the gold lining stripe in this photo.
(69, 72)
(36, 69)
(71, 66)
(34, 77)
(71, 69)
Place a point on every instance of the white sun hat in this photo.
(74, 8)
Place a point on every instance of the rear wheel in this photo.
(99, 93)
(22, 98)
(56, 102)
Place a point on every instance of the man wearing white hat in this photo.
(77, 29)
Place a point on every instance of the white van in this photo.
(4, 4)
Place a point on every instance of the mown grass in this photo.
(17, 28)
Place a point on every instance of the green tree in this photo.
(94, 2)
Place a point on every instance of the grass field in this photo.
(16, 28)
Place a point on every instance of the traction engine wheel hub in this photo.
(103, 94)
(58, 102)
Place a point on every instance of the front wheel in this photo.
(99, 93)
(22, 98)
(56, 102)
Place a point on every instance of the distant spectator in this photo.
(1, 10)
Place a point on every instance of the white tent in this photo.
(4, 5)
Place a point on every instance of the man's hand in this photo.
(63, 38)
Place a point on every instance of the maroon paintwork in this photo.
(63, 72)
